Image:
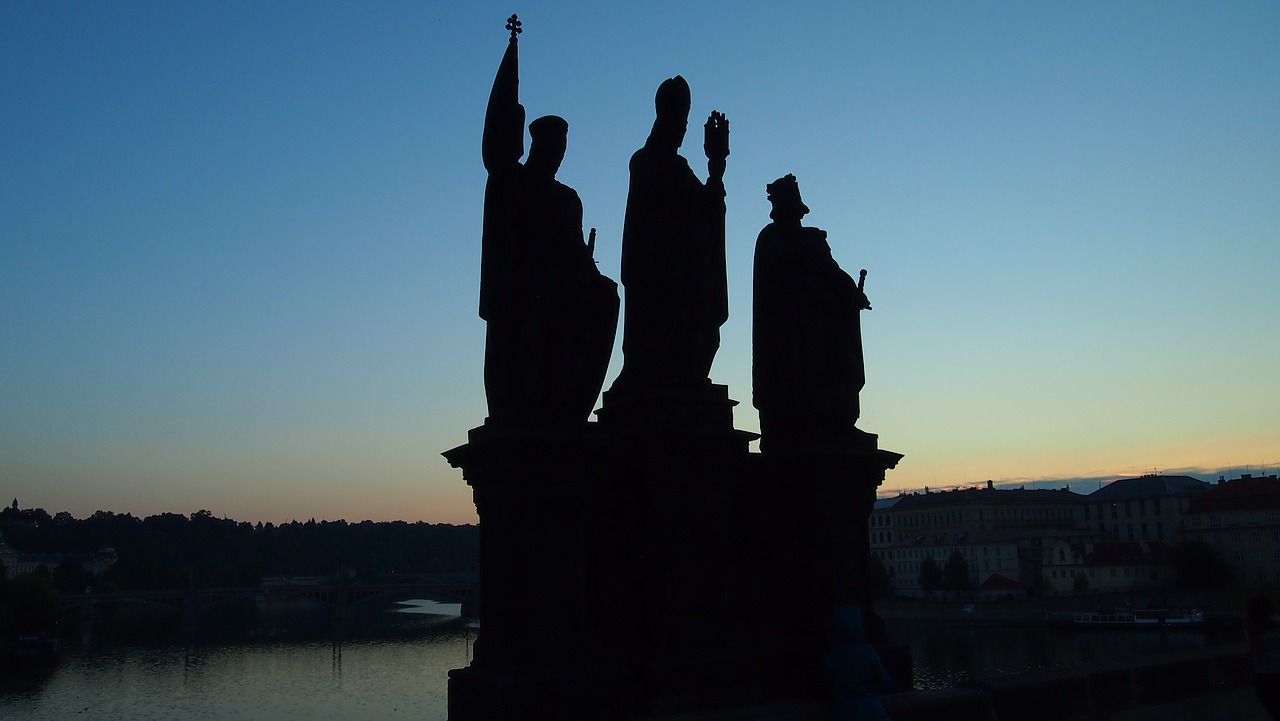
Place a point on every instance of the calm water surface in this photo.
(944, 654)
(280, 663)
(392, 668)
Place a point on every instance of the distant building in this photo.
(1147, 508)
(880, 529)
(21, 564)
(1240, 518)
(1117, 566)
(992, 559)
(1118, 538)
(903, 530)
(9, 559)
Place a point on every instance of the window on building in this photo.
(1255, 536)
(1115, 510)
(1195, 521)
(1159, 529)
(1213, 519)
(1217, 539)
(1128, 509)
(1158, 506)
(1237, 556)
(1113, 573)
(1257, 556)
(1131, 536)
(1145, 535)
(1235, 536)
(1126, 573)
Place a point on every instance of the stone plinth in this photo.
(553, 521)
(812, 552)
(648, 564)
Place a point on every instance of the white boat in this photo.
(1140, 618)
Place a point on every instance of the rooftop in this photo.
(1244, 493)
(976, 496)
(963, 537)
(1150, 486)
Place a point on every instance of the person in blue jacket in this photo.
(853, 670)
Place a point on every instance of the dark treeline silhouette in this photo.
(170, 550)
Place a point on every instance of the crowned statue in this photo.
(806, 335)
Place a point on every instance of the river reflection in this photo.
(947, 653)
(391, 664)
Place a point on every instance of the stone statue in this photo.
(806, 337)
(673, 264)
(550, 315)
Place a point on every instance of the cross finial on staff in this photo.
(513, 24)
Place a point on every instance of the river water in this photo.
(392, 663)
(947, 653)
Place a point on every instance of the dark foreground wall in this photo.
(1209, 685)
(1113, 691)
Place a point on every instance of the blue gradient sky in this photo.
(239, 242)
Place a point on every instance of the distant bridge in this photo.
(337, 595)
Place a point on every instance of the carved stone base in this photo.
(538, 693)
(657, 569)
(707, 409)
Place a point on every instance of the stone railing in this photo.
(1212, 683)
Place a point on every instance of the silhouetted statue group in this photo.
(551, 316)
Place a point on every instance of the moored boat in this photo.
(1140, 618)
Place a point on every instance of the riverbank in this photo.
(1195, 686)
(1222, 608)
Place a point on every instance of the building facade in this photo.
(1144, 509)
(1003, 534)
(992, 560)
(1107, 566)
(1241, 519)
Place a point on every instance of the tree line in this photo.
(171, 550)
(1196, 566)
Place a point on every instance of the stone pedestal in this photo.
(819, 499)
(687, 467)
(553, 521)
(648, 564)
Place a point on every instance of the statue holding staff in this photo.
(807, 365)
(550, 315)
